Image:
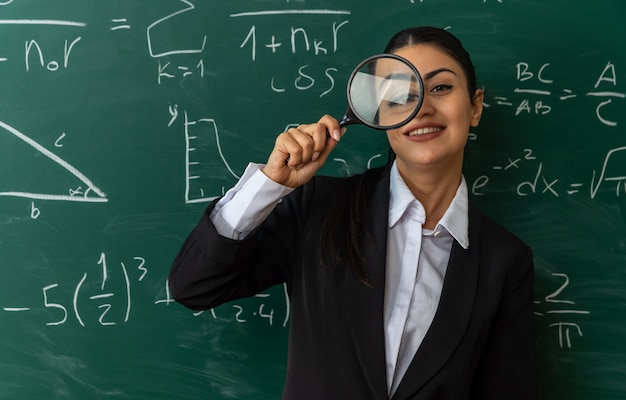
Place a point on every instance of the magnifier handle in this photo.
(348, 119)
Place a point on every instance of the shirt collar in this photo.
(400, 197)
(455, 219)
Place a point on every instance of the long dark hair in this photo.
(346, 226)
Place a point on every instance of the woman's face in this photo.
(438, 133)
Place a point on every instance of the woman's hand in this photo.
(300, 152)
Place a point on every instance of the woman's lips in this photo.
(424, 131)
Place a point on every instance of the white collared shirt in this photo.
(416, 262)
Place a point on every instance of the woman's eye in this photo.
(441, 88)
(403, 100)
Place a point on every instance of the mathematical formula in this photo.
(94, 295)
(612, 172)
(562, 312)
(88, 294)
(536, 93)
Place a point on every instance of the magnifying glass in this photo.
(384, 91)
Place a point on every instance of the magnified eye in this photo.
(384, 91)
(397, 100)
(402, 99)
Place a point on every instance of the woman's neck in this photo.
(434, 187)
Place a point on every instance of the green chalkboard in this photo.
(121, 120)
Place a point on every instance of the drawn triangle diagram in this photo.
(81, 190)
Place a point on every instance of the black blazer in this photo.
(480, 344)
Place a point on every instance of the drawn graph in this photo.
(198, 152)
(90, 193)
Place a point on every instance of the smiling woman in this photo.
(400, 288)
(430, 148)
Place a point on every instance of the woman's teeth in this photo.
(423, 131)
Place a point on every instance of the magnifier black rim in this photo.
(413, 69)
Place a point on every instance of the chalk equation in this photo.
(58, 58)
(103, 296)
(562, 312)
(34, 52)
(94, 302)
(296, 39)
(165, 54)
(611, 173)
(48, 57)
(88, 293)
(537, 93)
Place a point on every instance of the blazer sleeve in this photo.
(507, 369)
(210, 269)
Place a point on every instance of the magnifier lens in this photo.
(385, 91)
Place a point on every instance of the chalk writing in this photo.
(32, 47)
(58, 142)
(60, 311)
(91, 194)
(167, 69)
(241, 314)
(538, 91)
(158, 53)
(299, 40)
(612, 172)
(197, 152)
(305, 81)
(42, 22)
(618, 175)
(559, 309)
(607, 75)
(119, 23)
(292, 41)
(172, 71)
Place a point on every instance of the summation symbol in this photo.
(165, 68)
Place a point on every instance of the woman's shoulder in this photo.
(493, 232)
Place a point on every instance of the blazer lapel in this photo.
(365, 304)
(452, 316)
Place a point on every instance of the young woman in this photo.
(400, 288)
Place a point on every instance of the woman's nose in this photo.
(427, 107)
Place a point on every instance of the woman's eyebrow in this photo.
(432, 74)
